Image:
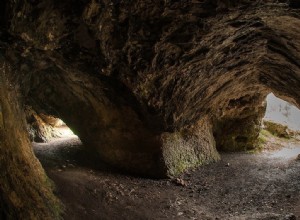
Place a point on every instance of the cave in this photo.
(151, 88)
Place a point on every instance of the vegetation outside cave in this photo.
(281, 127)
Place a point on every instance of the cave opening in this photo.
(280, 132)
(43, 128)
(54, 143)
(282, 112)
(57, 146)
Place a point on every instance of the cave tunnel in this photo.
(153, 89)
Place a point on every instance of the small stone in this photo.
(290, 217)
(227, 165)
(180, 182)
(179, 213)
(298, 158)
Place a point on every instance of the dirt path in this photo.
(240, 186)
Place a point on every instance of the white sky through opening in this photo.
(282, 112)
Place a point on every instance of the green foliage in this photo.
(263, 138)
(277, 130)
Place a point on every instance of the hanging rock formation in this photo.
(152, 86)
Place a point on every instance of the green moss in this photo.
(184, 150)
(262, 140)
(277, 130)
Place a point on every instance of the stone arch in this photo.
(101, 118)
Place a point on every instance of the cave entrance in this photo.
(56, 145)
(43, 128)
(280, 132)
(53, 142)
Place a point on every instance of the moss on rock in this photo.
(277, 129)
(189, 148)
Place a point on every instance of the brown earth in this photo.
(263, 185)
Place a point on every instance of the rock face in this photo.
(241, 130)
(25, 190)
(152, 85)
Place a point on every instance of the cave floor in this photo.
(262, 185)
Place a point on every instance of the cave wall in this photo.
(25, 190)
(240, 131)
(279, 69)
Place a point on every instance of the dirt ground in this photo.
(262, 185)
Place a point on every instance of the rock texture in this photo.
(152, 85)
(25, 190)
(41, 128)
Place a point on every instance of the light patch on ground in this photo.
(287, 153)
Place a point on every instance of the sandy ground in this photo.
(241, 186)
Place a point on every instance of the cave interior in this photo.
(153, 88)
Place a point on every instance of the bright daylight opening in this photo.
(281, 129)
(63, 131)
(52, 140)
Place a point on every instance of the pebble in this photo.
(180, 182)
(179, 213)
(290, 217)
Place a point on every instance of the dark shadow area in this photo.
(68, 152)
(2, 13)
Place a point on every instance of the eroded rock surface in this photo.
(25, 190)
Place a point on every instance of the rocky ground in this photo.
(263, 185)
